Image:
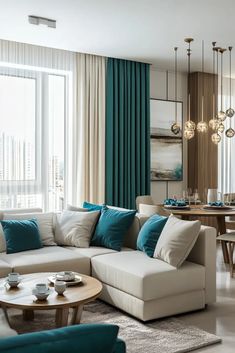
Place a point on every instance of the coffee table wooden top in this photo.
(22, 297)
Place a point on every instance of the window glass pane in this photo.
(17, 132)
(56, 141)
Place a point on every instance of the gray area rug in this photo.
(168, 335)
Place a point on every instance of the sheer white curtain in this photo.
(226, 150)
(36, 86)
(89, 130)
(52, 127)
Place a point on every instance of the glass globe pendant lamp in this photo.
(175, 127)
(230, 111)
(202, 126)
(215, 138)
(189, 126)
(214, 122)
(230, 132)
(189, 134)
(220, 127)
(221, 115)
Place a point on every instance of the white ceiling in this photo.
(144, 30)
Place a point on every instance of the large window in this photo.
(32, 139)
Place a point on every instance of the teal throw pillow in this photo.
(21, 235)
(150, 233)
(92, 206)
(112, 227)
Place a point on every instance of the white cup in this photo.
(13, 277)
(60, 286)
(41, 288)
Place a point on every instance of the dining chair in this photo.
(230, 221)
(144, 199)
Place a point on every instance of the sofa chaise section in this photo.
(149, 288)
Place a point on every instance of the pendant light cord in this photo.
(230, 75)
(189, 108)
(213, 96)
(221, 83)
(203, 79)
(176, 84)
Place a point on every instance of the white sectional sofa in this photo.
(144, 287)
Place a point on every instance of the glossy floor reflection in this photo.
(220, 317)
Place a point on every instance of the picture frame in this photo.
(166, 147)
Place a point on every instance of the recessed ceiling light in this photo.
(35, 20)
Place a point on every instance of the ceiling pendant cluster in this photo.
(219, 115)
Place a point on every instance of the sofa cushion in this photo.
(91, 251)
(21, 235)
(45, 224)
(5, 268)
(112, 228)
(76, 228)
(146, 278)
(47, 259)
(94, 251)
(177, 240)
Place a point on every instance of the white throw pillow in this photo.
(76, 228)
(176, 240)
(45, 225)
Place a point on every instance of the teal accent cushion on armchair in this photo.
(87, 338)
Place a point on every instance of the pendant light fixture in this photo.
(175, 127)
(221, 113)
(202, 125)
(213, 123)
(230, 111)
(189, 126)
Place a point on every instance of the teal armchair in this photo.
(92, 338)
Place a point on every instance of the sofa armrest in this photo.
(204, 253)
(120, 346)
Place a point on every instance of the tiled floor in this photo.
(220, 317)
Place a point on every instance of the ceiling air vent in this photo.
(35, 20)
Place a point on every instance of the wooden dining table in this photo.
(197, 211)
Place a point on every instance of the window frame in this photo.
(40, 185)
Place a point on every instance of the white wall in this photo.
(158, 89)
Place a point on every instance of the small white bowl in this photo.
(41, 296)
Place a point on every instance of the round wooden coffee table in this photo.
(74, 297)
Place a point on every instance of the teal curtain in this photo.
(127, 132)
